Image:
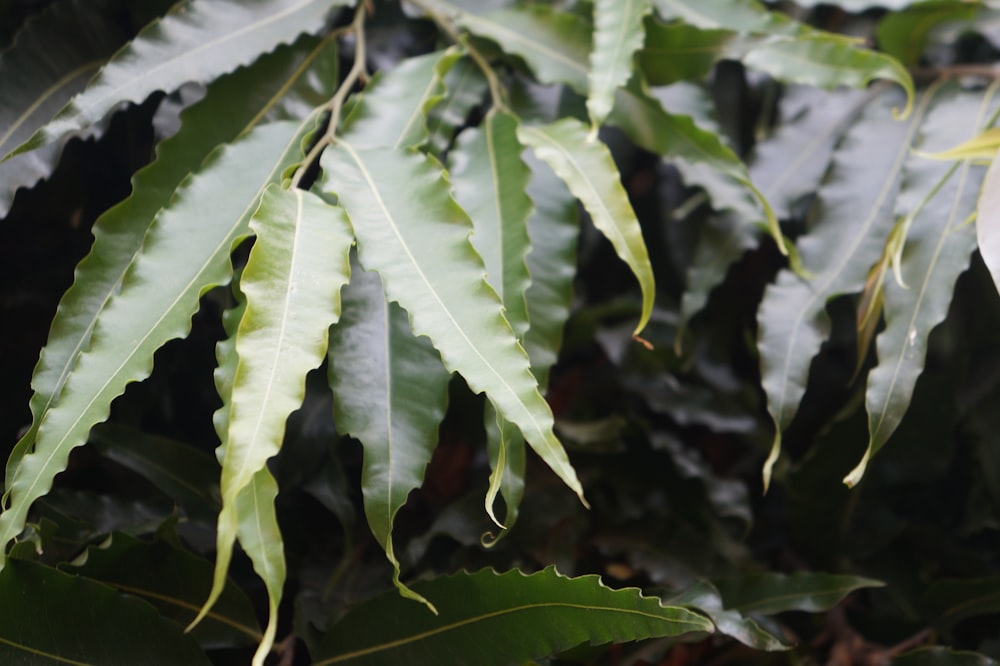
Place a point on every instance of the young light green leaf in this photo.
(836, 254)
(827, 61)
(393, 109)
(555, 44)
(465, 88)
(648, 125)
(47, 626)
(490, 181)
(233, 105)
(39, 79)
(618, 34)
(159, 294)
(489, 618)
(936, 201)
(587, 168)
(150, 571)
(983, 146)
(412, 232)
(292, 284)
(199, 41)
(390, 392)
(769, 593)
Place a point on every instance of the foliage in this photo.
(682, 250)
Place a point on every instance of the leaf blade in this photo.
(618, 34)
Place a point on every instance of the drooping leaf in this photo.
(292, 284)
(393, 109)
(159, 294)
(490, 181)
(587, 168)
(39, 79)
(180, 471)
(836, 254)
(465, 88)
(46, 626)
(200, 41)
(412, 232)
(935, 203)
(618, 34)
(678, 137)
(827, 61)
(555, 44)
(490, 618)
(703, 596)
(390, 392)
(152, 571)
(769, 593)
(232, 106)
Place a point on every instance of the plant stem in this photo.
(336, 103)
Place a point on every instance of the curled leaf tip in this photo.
(855, 475)
(772, 458)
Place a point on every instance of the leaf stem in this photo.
(448, 26)
(336, 103)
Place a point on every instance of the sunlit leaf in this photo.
(232, 106)
(936, 201)
(200, 41)
(47, 626)
(489, 618)
(412, 232)
(590, 173)
(207, 216)
(390, 392)
(618, 34)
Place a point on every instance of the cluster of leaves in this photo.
(414, 235)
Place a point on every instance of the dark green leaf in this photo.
(769, 593)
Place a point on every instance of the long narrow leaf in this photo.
(200, 41)
(836, 254)
(159, 294)
(618, 34)
(390, 391)
(232, 106)
(590, 173)
(490, 618)
(413, 233)
(936, 201)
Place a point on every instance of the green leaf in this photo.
(703, 596)
(746, 16)
(292, 284)
(45, 623)
(184, 254)
(39, 79)
(180, 471)
(390, 391)
(769, 593)
(982, 146)
(935, 202)
(618, 34)
(232, 106)
(903, 34)
(827, 61)
(199, 41)
(555, 44)
(837, 254)
(680, 51)
(587, 168)
(649, 126)
(151, 571)
(393, 109)
(490, 181)
(465, 88)
(412, 232)
(489, 618)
